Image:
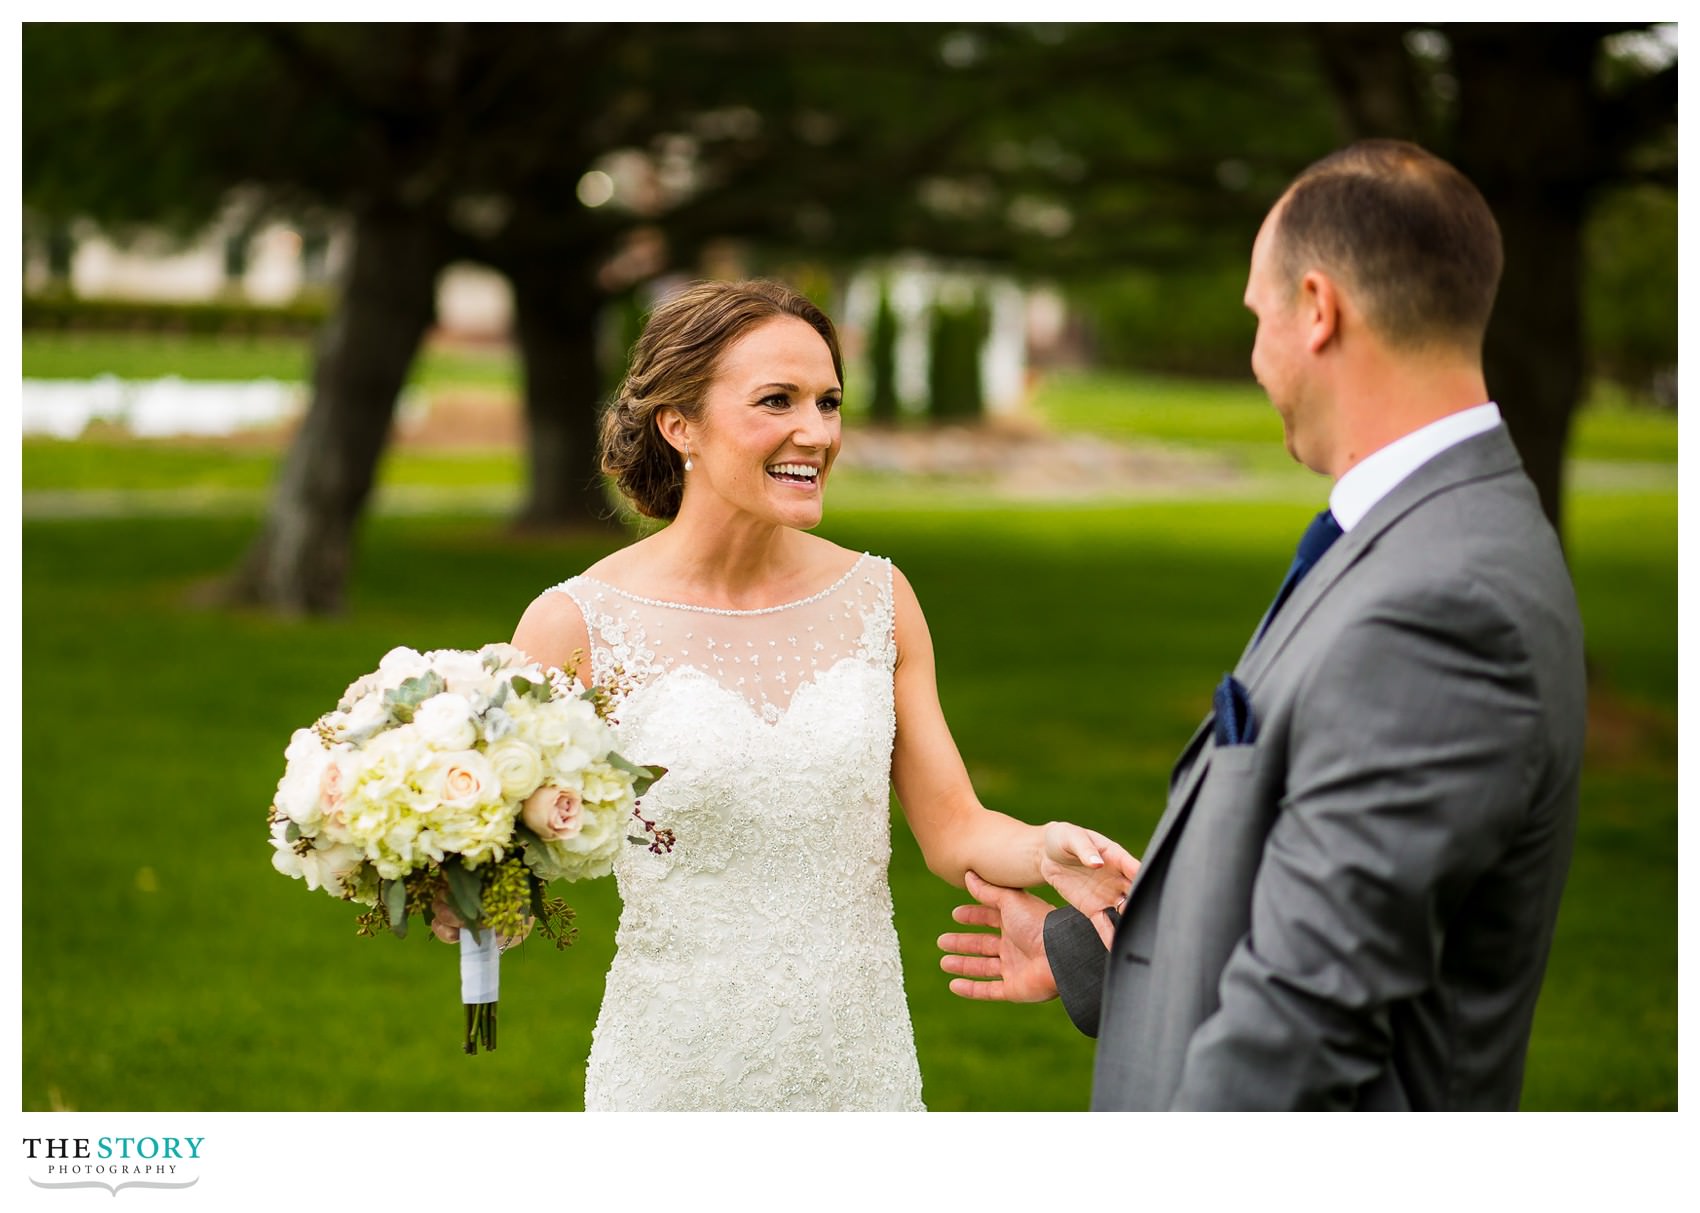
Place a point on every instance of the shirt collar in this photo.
(1371, 479)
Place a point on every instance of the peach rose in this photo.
(330, 795)
(552, 813)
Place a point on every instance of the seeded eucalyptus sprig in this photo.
(554, 916)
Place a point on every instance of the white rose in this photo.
(365, 718)
(462, 671)
(518, 766)
(400, 664)
(445, 722)
(284, 858)
(330, 868)
(304, 770)
(358, 690)
(500, 655)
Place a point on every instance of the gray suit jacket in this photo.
(1355, 910)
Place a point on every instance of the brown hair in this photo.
(1404, 228)
(672, 365)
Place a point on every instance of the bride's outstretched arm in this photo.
(955, 831)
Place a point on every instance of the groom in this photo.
(1350, 897)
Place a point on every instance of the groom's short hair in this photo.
(1405, 231)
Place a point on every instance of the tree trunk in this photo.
(1527, 136)
(1369, 72)
(300, 561)
(555, 325)
(1524, 132)
(1533, 359)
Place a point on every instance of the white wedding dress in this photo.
(757, 965)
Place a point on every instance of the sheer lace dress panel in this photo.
(757, 964)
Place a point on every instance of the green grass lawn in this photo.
(48, 355)
(1236, 417)
(166, 966)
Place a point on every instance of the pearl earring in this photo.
(687, 457)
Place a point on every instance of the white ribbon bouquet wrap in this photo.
(480, 983)
(460, 779)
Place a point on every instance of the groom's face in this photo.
(1279, 356)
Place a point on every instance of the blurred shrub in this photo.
(69, 313)
(1176, 321)
(1629, 291)
(882, 361)
(958, 330)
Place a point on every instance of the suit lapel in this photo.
(1189, 768)
(1489, 454)
(1180, 800)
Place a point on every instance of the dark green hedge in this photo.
(68, 313)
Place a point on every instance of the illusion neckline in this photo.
(708, 610)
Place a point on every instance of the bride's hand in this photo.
(446, 925)
(1093, 873)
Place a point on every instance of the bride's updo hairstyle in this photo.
(672, 366)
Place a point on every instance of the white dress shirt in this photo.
(1356, 493)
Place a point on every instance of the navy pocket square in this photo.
(1235, 723)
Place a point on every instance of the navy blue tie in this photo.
(1319, 536)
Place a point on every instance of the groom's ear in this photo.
(1319, 310)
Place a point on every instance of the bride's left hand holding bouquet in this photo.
(460, 779)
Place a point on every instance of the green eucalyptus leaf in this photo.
(291, 832)
(644, 781)
(642, 777)
(466, 892)
(534, 690)
(394, 896)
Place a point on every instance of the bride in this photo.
(787, 685)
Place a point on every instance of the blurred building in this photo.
(266, 265)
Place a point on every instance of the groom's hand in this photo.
(1009, 966)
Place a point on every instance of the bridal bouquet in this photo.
(461, 779)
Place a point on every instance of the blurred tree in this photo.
(1545, 119)
(580, 160)
(586, 160)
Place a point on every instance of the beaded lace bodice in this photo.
(757, 965)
